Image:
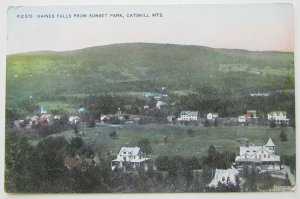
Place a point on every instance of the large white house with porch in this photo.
(130, 158)
(188, 116)
(278, 117)
(263, 157)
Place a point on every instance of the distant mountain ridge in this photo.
(141, 66)
(135, 51)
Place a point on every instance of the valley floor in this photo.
(179, 142)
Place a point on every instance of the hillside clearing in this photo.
(179, 142)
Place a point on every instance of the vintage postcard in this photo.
(150, 99)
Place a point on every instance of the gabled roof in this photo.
(277, 113)
(82, 109)
(270, 143)
(190, 113)
(213, 113)
(250, 150)
(253, 150)
(224, 177)
(161, 103)
(130, 150)
(252, 154)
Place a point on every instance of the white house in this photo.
(74, 119)
(242, 119)
(278, 117)
(188, 116)
(225, 177)
(212, 116)
(171, 118)
(159, 104)
(260, 94)
(81, 110)
(57, 117)
(130, 157)
(264, 157)
(108, 117)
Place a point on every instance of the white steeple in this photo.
(270, 143)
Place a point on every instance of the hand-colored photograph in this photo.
(150, 99)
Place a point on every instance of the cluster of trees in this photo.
(220, 160)
(19, 110)
(41, 168)
(107, 104)
(228, 103)
(56, 127)
(291, 161)
(178, 167)
(145, 146)
(255, 180)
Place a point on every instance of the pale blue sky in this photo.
(249, 26)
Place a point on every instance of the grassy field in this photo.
(264, 70)
(179, 142)
(52, 105)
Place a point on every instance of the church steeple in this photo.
(42, 111)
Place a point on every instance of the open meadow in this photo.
(179, 142)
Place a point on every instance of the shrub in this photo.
(190, 132)
(144, 144)
(272, 124)
(283, 136)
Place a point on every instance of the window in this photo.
(265, 156)
(268, 156)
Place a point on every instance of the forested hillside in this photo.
(136, 68)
